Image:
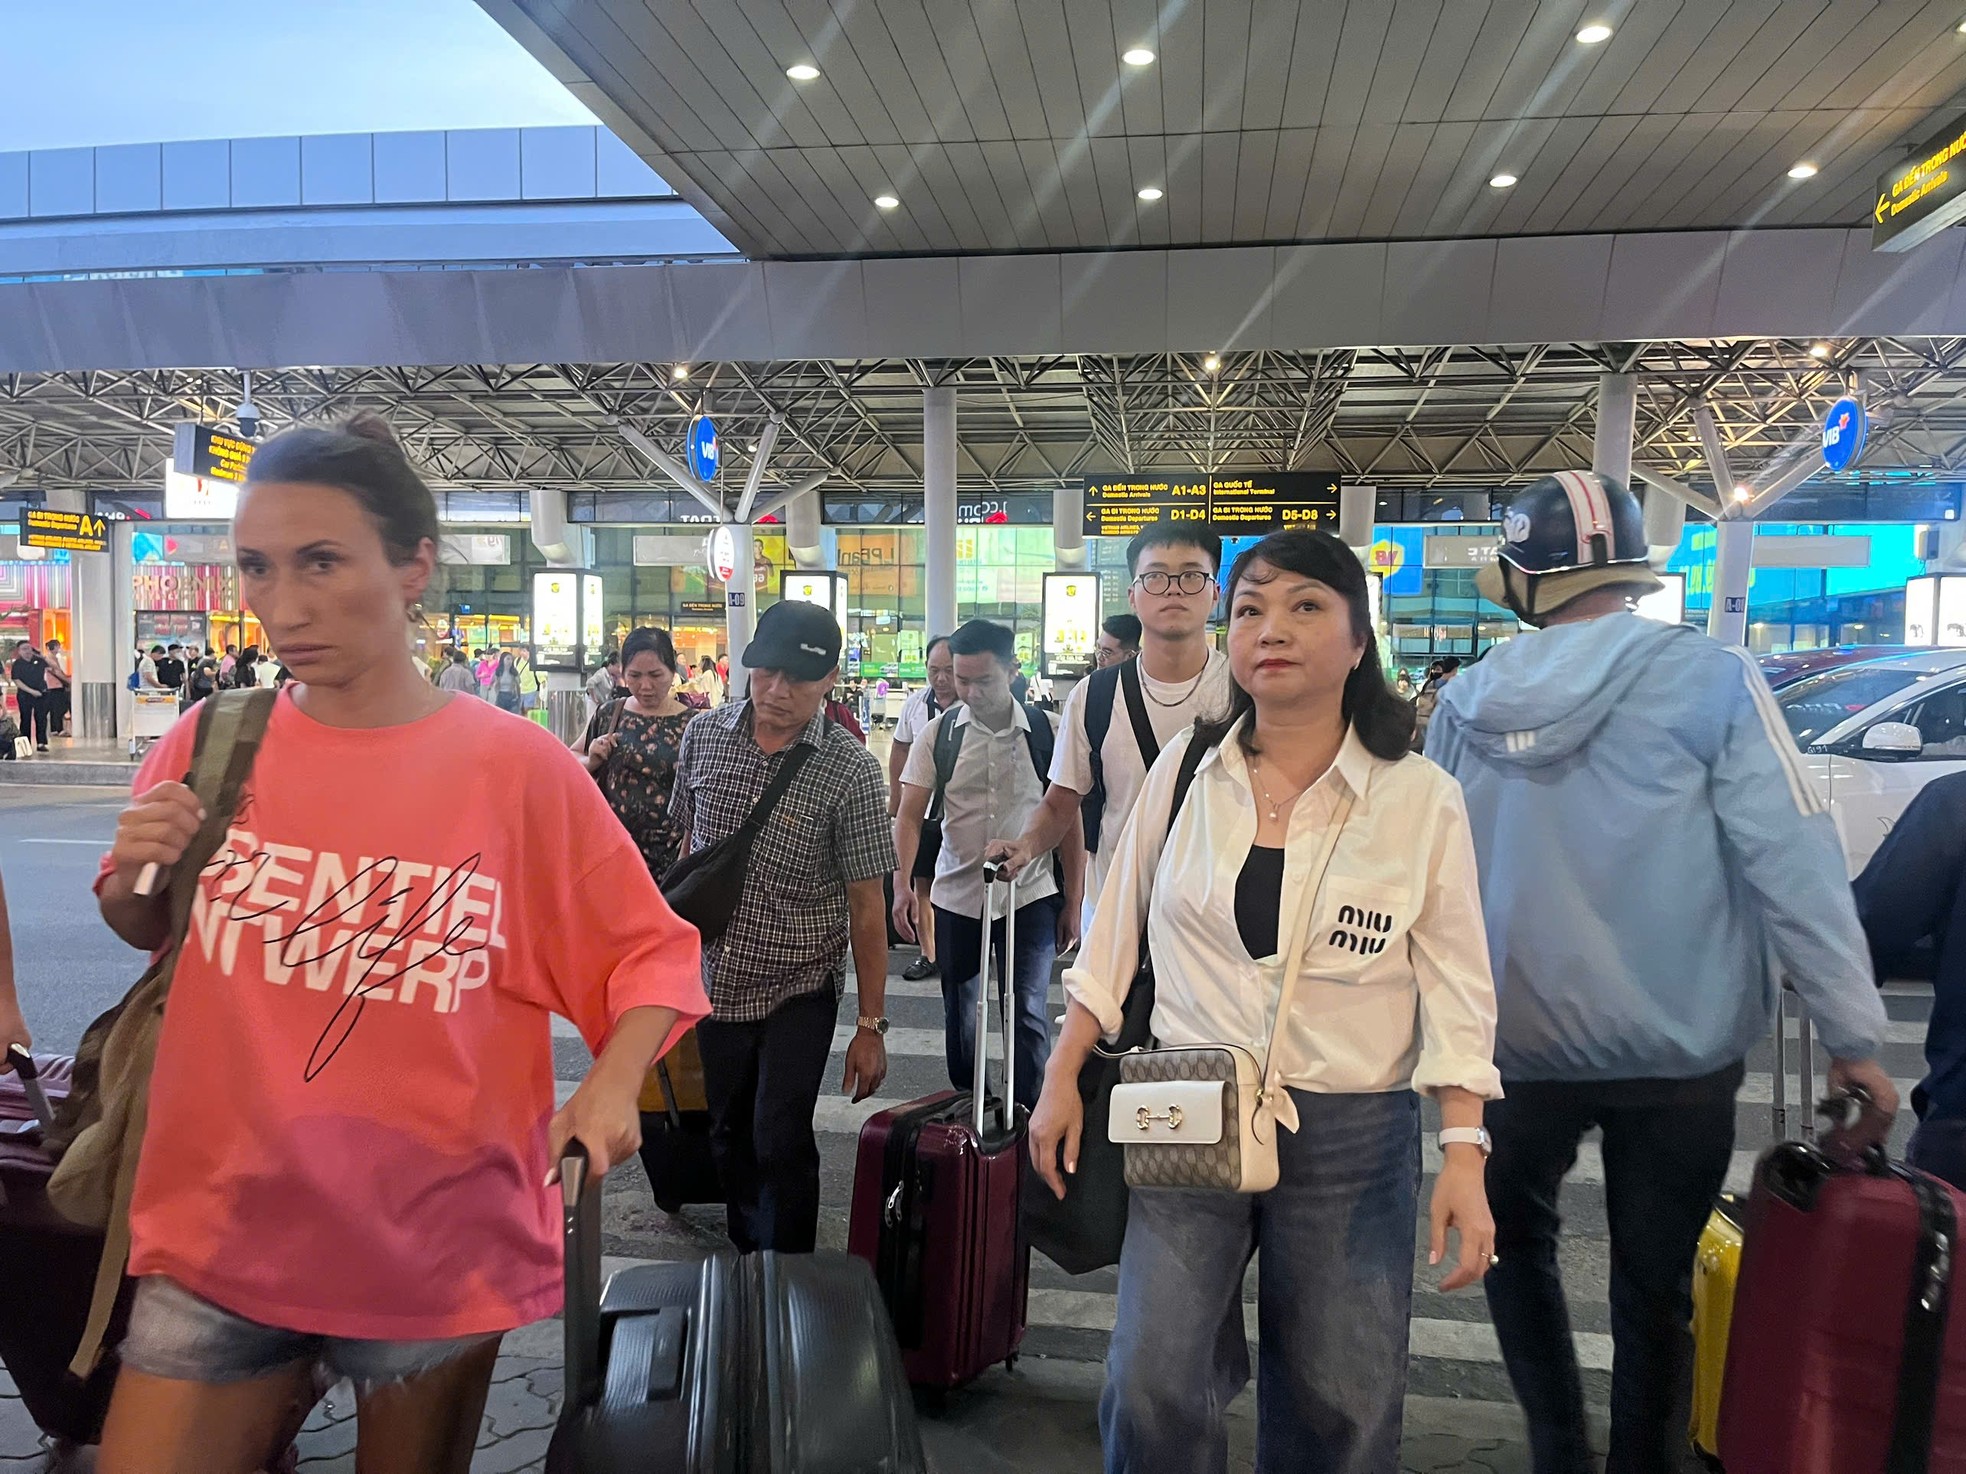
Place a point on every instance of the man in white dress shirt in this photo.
(922, 707)
(985, 761)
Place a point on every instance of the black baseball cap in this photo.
(801, 639)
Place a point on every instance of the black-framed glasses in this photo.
(1189, 582)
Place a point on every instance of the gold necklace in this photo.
(1256, 772)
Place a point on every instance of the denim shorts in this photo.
(175, 1334)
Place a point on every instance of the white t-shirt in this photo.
(1167, 713)
(915, 715)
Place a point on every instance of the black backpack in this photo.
(1041, 739)
(1102, 689)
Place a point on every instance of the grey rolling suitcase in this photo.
(764, 1364)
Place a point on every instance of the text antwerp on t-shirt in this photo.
(1172, 707)
(347, 1130)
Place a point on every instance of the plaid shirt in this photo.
(791, 931)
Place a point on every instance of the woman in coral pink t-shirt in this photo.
(351, 1120)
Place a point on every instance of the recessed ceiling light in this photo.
(885, 202)
(1820, 350)
(752, 448)
(1962, 28)
(1502, 181)
(1212, 362)
(803, 71)
(679, 372)
(1139, 56)
(1803, 171)
(1744, 493)
(1150, 193)
(1591, 35)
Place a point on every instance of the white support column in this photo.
(1665, 522)
(1733, 567)
(1068, 526)
(563, 545)
(1357, 507)
(95, 649)
(119, 658)
(740, 606)
(939, 509)
(1617, 422)
(811, 544)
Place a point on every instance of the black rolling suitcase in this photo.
(47, 1268)
(765, 1364)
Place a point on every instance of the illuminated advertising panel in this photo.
(1070, 630)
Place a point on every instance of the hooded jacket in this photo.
(1648, 840)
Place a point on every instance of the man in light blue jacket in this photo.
(1647, 838)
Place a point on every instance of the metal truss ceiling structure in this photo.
(1423, 418)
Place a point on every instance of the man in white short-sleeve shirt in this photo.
(1180, 677)
(920, 709)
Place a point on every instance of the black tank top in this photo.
(1259, 897)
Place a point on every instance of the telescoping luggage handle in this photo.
(580, 1202)
(992, 879)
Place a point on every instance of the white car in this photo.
(1874, 733)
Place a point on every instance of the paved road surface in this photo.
(1038, 1418)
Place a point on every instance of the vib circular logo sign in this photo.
(703, 450)
(1844, 428)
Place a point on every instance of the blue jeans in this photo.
(175, 1334)
(1938, 1146)
(959, 950)
(1666, 1148)
(1334, 1298)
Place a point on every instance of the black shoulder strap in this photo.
(1184, 776)
(1102, 688)
(1136, 711)
(1925, 1327)
(1042, 739)
(788, 769)
(949, 735)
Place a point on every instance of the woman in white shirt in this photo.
(1394, 998)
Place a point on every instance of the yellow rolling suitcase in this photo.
(1715, 1270)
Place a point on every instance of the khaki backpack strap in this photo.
(230, 728)
(229, 732)
(115, 1260)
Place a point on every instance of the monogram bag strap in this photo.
(1293, 962)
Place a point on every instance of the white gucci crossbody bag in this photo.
(1205, 1115)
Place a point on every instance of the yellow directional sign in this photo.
(1923, 195)
(63, 532)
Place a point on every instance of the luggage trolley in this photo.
(156, 713)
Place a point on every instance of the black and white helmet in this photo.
(1574, 519)
(1566, 535)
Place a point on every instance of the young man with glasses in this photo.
(1116, 721)
(1119, 639)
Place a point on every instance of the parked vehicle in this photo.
(1781, 671)
(1874, 733)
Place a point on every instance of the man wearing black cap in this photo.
(813, 888)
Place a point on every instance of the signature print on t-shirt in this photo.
(379, 928)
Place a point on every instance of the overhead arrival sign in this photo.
(1119, 506)
(63, 532)
(1923, 195)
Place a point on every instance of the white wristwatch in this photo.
(1468, 1136)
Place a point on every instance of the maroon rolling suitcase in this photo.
(1847, 1354)
(935, 1205)
(47, 1272)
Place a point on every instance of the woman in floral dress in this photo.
(631, 746)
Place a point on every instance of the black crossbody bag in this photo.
(704, 888)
